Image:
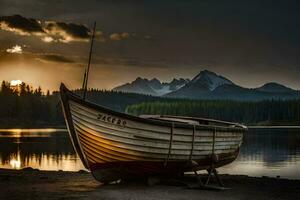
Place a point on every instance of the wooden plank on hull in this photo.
(100, 154)
(120, 149)
(143, 148)
(154, 137)
(107, 152)
(127, 132)
(93, 120)
(152, 123)
(151, 144)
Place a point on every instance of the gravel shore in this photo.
(34, 184)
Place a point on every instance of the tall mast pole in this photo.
(86, 73)
(83, 82)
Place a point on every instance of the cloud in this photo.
(70, 32)
(55, 31)
(48, 39)
(119, 36)
(15, 49)
(48, 31)
(21, 25)
(125, 35)
(12, 54)
(53, 58)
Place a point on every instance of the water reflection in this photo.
(268, 152)
(15, 160)
(45, 149)
(265, 152)
(17, 133)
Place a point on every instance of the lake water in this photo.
(265, 152)
(44, 149)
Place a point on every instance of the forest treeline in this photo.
(267, 112)
(23, 106)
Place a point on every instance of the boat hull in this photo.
(111, 171)
(114, 145)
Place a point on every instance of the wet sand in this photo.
(35, 184)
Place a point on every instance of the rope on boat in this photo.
(193, 141)
(170, 145)
(214, 158)
(214, 139)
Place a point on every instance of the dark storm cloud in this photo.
(75, 30)
(21, 25)
(49, 31)
(67, 32)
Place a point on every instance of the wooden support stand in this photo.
(193, 165)
(211, 171)
(202, 182)
(205, 185)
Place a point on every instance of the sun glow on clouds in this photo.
(15, 82)
(48, 39)
(15, 49)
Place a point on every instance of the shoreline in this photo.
(273, 127)
(31, 183)
(30, 169)
(64, 128)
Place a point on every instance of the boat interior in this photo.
(191, 120)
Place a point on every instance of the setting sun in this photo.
(15, 82)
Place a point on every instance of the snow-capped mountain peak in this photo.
(210, 79)
(207, 85)
(155, 84)
(152, 87)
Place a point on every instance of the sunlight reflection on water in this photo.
(44, 149)
(36, 130)
(15, 161)
(264, 152)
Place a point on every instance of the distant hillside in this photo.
(208, 85)
(274, 88)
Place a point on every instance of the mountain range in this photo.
(152, 87)
(207, 85)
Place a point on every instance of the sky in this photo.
(44, 43)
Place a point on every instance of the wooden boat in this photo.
(115, 145)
